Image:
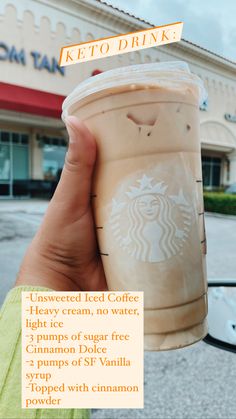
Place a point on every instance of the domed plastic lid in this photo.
(169, 74)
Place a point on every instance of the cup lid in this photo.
(170, 74)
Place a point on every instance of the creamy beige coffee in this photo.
(147, 193)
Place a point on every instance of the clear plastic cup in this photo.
(147, 192)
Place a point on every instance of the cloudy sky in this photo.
(208, 23)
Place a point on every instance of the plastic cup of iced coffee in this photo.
(147, 192)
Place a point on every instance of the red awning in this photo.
(36, 102)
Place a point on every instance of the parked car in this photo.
(222, 314)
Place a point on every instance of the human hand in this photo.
(63, 254)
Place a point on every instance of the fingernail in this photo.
(71, 130)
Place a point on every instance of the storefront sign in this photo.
(230, 118)
(39, 61)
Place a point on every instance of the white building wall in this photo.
(45, 26)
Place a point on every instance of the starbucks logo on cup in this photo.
(147, 222)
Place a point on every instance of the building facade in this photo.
(33, 139)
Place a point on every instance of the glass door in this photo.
(211, 172)
(14, 163)
(5, 165)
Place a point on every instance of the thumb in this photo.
(74, 188)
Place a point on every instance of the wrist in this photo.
(35, 271)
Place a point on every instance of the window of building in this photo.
(4, 162)
(204, 105)
(211, 170)
(14, 160)
(20, 162)
(54, 150)
(14, 155)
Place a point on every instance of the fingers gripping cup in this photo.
(147, 192)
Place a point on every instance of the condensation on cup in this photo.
(147, 192)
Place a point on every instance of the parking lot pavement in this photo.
(221, 246)
(197, 382)
(16, 232)
(27, 206)
(19, 221)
